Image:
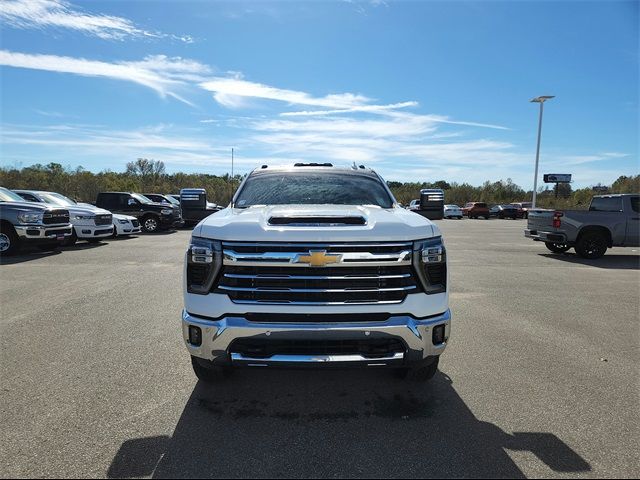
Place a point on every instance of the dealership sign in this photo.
(557, 178)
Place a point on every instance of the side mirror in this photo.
(131, 201)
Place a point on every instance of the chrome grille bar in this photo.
(315, 277)
(230, 257)
(316, 245)
(317, 273)
(305, 303)
(315, 290)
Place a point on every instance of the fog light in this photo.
(195, 336)
(438, 334)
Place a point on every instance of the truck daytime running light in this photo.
(430, 264)
(204, 261)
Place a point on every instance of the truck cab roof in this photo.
(314, 166)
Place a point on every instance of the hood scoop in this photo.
(317, 221)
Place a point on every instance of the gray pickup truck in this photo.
(611, 221)
(27, 223)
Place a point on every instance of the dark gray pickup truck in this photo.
(611, 221)
(26, 223)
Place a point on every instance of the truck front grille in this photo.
(103, 220)
(283, 273)
(55, 217)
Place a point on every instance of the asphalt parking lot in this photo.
(541, 377)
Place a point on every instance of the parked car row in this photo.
(89, 223)
(510, 210)
(50, 219)
(479, 210)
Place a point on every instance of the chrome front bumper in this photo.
(42, 232)
(94, 231)
(218, 335)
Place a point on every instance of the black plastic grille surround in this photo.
(103, 219)
(54, 217)
(315, 317)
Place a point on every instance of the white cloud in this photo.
(162, 74)
(570, 160)
(176, 68)
(61, 14)
(358, 109)
(343, 127)
(161, 142)
(233, 93)
(399, 127)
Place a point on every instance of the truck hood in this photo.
(256, 224)
(119, 216)
(86, 210)
(31, 206)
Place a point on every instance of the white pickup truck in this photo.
(90, 223)
(313, 265)
(611, 221)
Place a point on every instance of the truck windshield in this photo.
(9, 196)
(298, 188)
(57, 199)
(141, 198)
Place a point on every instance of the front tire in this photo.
(9, 241)
(208, 373)
(422, 373)
(557, 247)
(150, 224)
(592, 245)
(70, 241)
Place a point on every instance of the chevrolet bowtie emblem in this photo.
(318, 258)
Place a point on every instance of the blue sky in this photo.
(420, 91)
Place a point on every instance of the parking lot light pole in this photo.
(541, 101)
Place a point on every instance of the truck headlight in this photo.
(26, 217)
(204, 260)
(430, 263)
(123, 222)
(84, 217)
(166, 211)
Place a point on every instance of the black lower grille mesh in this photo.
(264, 348)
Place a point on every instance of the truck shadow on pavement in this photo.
(615, 262)
(32, 253)
(28, 255)
(298, 423)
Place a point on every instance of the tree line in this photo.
(149, 176)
